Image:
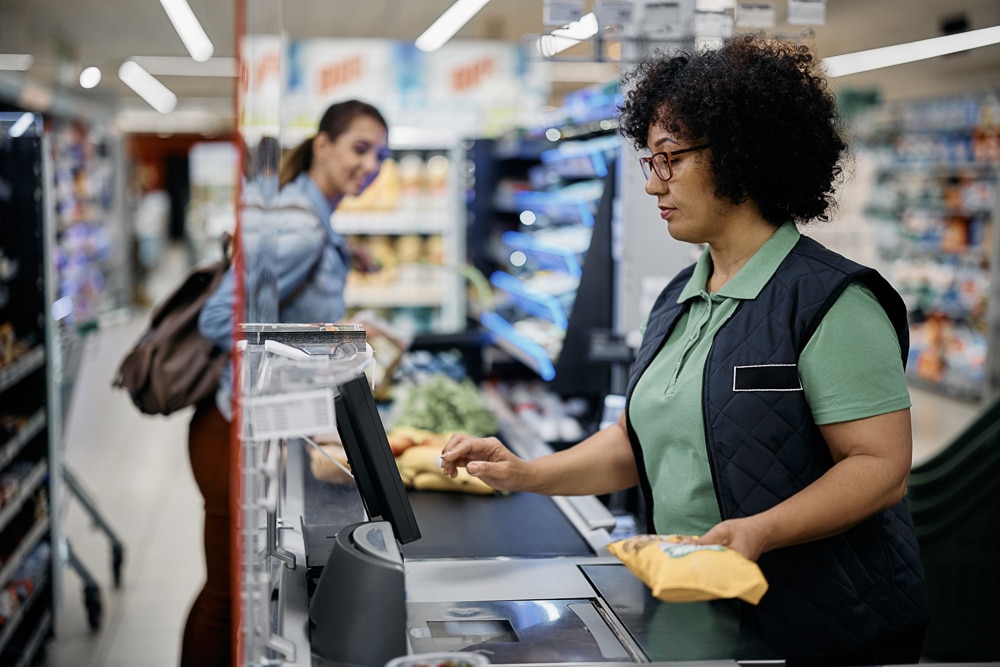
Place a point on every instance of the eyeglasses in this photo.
(662, 163)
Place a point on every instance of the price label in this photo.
(290, 415)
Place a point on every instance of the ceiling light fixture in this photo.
(21, 125)
(563, 38)
(147, 87)
(18, 62)
(448, 24)
(188, 29)
(863, 61)
(90, 77)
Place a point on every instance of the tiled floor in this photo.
(136, 470)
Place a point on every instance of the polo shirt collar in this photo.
(751, 279)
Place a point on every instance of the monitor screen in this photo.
(371, 459)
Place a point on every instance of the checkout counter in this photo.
(520, 578)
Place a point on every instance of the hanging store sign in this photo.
(260, 85)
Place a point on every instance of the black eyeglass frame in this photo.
(649, 167)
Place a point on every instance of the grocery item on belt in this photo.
(420, 468)
(402, 438)
(677, 569)
(323, 460)
(443, 405)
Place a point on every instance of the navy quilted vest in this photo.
(835, 595)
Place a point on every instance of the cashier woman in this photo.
(767, 409)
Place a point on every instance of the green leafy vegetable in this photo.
(443, 405)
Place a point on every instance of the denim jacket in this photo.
(289, 242)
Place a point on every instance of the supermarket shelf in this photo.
(537, 304)
(548, 256)
(395, 295)
(10, 627)
(556, 206)
(935, 201)
(31, 428)
(33, 537)
(943, 388)
(417, 220)
(572, 164)
(28, 486)
(37, 640)
(60, 185)
(511, 341)
(15, 372)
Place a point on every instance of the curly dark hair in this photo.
(766, 111)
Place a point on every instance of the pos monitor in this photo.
(357, 613)
(372, 463)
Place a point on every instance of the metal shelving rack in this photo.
(28, 466)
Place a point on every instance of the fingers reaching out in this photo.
(485, 458)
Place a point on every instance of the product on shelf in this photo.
(383, 194)
(934, 209)
(83, 188)
(407, 221)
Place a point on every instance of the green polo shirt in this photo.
(850, 369)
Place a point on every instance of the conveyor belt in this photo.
(518, 525)
(452, 525)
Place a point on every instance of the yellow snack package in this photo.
(676, 569)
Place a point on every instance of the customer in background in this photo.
(767, 409)
(288, 236)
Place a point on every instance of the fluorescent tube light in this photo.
(147, 87)
(580, 30)
(863, 61)
(184, 66)
(563, 38)
(19, 62)
(448, 24)
(188, 29)
(21, 125)
(90, 77)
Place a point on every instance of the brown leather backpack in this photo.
(172, 365)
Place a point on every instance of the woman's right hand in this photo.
(487, 459)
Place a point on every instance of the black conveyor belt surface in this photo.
(452, 525)
(457, 525)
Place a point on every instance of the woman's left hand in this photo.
(740, 535)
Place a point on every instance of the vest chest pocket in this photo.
(766, 377)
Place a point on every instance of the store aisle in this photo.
(136, 470)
